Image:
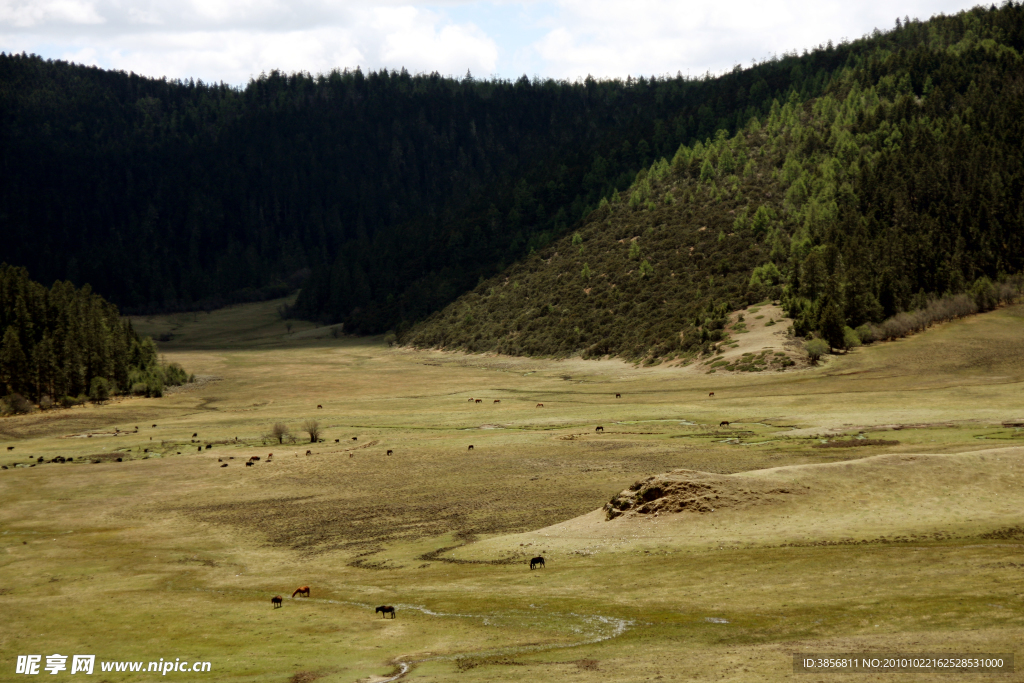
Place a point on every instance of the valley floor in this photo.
(765, 538)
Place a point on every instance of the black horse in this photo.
(385, 610)
(537, 562)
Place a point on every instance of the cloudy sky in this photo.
(234, 40)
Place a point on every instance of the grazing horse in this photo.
(319, 407)
(355, 438)
(471, 400)
(195, 434)
(224, 465)
(537, 562)
(599, 429)
(154, 425)
(390, 451)
(254, 458)
(497, 400)
(10, 448)
(470, 447)
(540, 405)
(385, 610)
(618, 395)
(479, 400)
(723, 423)
(277, 601)
(711, 395)
(309, 452)
(301, 590)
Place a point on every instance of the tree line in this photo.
(388, 194)
(63, 345)
(899, 184)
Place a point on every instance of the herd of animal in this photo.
(383, 610)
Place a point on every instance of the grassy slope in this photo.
(177, 557)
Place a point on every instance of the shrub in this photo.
(816, 348)
(99, 390)
(851, 339)
(15, 404)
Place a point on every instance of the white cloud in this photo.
(612, 38)
(232, 40)
(30, 13)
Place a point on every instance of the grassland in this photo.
(911, 546)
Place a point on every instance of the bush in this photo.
(99, 390)
(15, 404)
(865, 333)
(816, 348)
(851, 339)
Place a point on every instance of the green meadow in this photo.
(805, 540)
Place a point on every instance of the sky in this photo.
(233, 41)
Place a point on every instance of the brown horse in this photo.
(618, 395)
(309, 452)
(470, 448)
(497, 400)
(385, 610)
(319, 407)
(479, 400)
(390, 451)
(301, 590)
(540, 405)
(537, 562)
(471, 400)
(711, 395)
(723, 423)
(599, 429)
(277, 601)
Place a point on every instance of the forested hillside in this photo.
(397, 192)
(62, 344)
(903, 181)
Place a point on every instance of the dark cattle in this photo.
(248, 463)
(154, 425)
(309, 452)
(195, 435)
(200, 449)
(10, 448)
(599, 429)
(301, 590)
(224, 465)
(711, 395)
(385, 610)
(337, 441)
(390, 451)
(277, 600)
(537, 562)
(723, 423)
(355, 438)
(209, 445)
(220, 459)
(479, 400)
(470, 448)
(497, 400)
(618, 395)
(540, 405)
(319, 407)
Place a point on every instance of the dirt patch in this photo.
(698, 492)
(853, 443)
